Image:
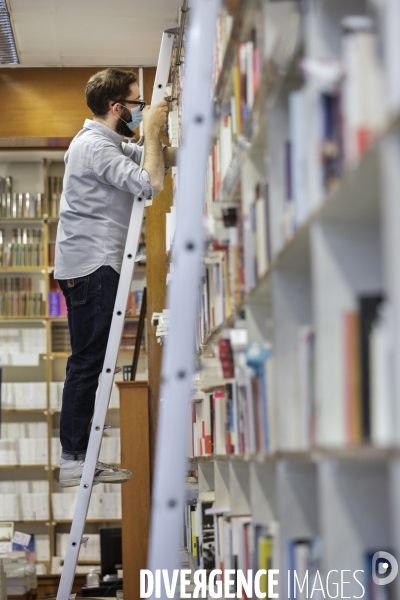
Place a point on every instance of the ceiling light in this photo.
(8, 51)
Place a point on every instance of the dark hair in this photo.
(110, 84)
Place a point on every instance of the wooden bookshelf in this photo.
(42, 163)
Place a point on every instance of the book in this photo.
(369, 306)
(352, 377)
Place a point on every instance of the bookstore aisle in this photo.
(293, 452)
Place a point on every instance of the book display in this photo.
(34, 347)
(293, 437)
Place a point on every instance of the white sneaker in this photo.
(71, 473)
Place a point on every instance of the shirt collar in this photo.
(103, 129)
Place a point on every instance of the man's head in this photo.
(107, 93)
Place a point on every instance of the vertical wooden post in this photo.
(135, 456)
(156, 269)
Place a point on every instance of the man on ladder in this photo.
(102, 176)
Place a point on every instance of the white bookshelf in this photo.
(333, 492)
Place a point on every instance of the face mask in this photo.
(136, 115)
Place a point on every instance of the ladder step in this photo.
(84, 540)
(72, 597)
(128, 312)
(117, 370)
(107, 426)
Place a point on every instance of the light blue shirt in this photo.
(102, 175)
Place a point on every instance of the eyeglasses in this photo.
(142, 103)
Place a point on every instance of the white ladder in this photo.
(107, 376)
(178, 360)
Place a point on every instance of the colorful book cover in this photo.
(54, 304)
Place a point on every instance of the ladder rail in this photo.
(179, 353)
(114, 340)
(103, 397)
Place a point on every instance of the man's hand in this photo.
(155, 116)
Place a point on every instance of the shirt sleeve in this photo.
(111, 166)
(133, 151)
(136, 153)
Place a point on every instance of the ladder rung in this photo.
(117, 370)
(128, 312)
(107, 426)
(72, 597)
(84, 540)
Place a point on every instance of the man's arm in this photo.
(170, 156)
(153, 118)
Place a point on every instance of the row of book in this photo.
(217, 541)
(24, 451)
(25, 248)
(21, 206)
(23, 395)
(237, 416)
(367, 375)
(26, 429)
(333, 120)
(245, 80)
(235, 263)
(19, 298)
(215, 298)
(22, 304)
(24, 507)
(233, 409)
(103, 505)
(23, 340)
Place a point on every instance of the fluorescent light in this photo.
(8, 51)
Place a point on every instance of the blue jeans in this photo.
(90, 303)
